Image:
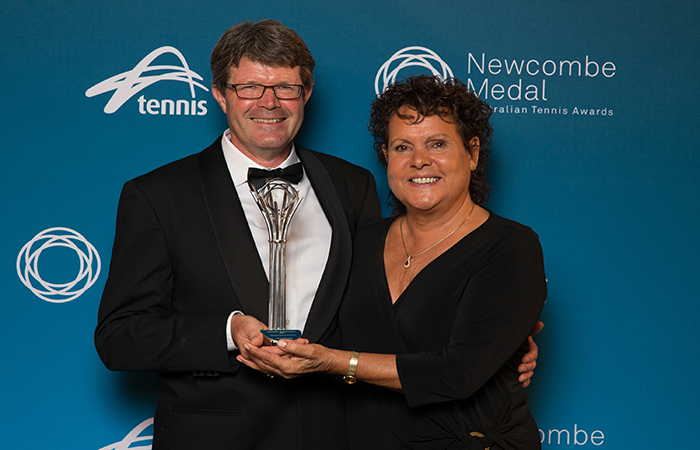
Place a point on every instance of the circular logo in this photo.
(408, 57)
(28, 265)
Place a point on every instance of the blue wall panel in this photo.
(613, 194)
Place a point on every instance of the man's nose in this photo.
(268, 99)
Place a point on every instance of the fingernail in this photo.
(282, 344)
(246, 346)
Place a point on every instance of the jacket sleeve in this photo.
(138, 327)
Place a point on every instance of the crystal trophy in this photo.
(278, 200)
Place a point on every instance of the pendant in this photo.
(407, 264)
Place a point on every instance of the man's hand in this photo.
(245, 331)
(529, 361)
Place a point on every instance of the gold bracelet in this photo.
(350, 377)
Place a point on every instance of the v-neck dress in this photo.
(459, 331)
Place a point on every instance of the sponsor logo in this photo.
(88, 267)
(127, 84)
(525, 81)
(510, 85)
(576, 437)
(410, 57)
(134, 437)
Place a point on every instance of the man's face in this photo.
(263, 129)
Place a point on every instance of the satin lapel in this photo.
(232, 233)
(335, 276)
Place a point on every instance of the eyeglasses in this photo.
(255, 91)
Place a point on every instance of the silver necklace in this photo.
(407, 264)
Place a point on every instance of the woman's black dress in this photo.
(459, 331)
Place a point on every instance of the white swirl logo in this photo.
(133, 437)
(28, 265)
(407, 57)
(129, 83)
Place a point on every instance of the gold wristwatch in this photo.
(350, 377)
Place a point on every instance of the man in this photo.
(187, 280)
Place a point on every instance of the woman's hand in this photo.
(300, 358)
(529, 361)
(289, 359)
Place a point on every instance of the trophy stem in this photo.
(278, 200)
(277, 310)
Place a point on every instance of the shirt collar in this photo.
(238, 163)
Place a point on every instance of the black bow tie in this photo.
(258, 177)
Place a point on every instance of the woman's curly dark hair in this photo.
(453, 102)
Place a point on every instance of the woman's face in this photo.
(428, 166)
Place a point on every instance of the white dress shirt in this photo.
(308, 238)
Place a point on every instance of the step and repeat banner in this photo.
(595, 147)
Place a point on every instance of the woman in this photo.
(442, 295)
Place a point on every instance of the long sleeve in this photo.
(139, 325)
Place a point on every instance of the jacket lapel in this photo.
(238, 250)
(332, 286)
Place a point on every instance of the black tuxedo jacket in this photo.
(183, 260)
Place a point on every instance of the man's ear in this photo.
(307, 93)
(219, 96)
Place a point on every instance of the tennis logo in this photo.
(55, 238)
(144, 442)
(127, 84)
(410, 57)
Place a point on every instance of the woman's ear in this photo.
(474, 148)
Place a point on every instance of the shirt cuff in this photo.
(229, 339)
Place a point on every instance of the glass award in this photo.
(278, 200)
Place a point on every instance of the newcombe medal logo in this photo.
(410, 57)
(52, 240)
(127, 84)
(517, 85)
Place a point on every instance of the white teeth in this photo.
(425, 180)
(267, 120)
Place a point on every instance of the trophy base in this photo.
(276, 335)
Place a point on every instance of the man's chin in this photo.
(272, 153)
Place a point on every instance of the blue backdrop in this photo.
(594, 148)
